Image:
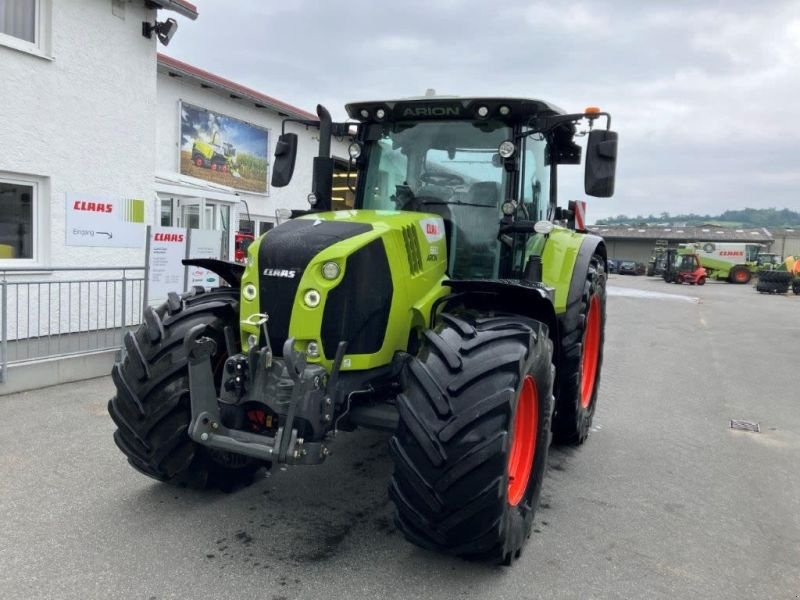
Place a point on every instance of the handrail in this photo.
(52, 269)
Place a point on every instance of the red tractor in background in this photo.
(683, 268)
(242, 240)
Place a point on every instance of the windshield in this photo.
(449, 168)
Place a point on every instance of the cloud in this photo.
(702, 95)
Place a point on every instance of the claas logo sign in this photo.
(168, 237)
(101, 207)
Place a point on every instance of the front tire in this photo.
(151, 407)
(582, 338)
(740, 274)
(471, 450)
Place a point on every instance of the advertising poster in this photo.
(104, 222)
(223, 150)
(203, 243)
(166, 248)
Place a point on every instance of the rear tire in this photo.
(465, 483)
(151, 407)
(582, 328)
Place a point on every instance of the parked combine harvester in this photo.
(723, 261)
(447, 308)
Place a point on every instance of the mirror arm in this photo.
(307, 122)
(544, 125)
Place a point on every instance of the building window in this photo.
(25, 25)
(17, 221)
(166, 212)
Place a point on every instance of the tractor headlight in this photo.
(508, 208)
(483, 111)
(312, 298)
(504, 110)
(249, 292)
(330, 270)
(506, 149)
(252, 341)
(313, 349)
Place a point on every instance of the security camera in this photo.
(164, 30)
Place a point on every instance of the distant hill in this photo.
(747, 217)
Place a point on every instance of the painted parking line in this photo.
(633, 293)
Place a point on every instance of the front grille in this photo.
(290, 248)
(412, 249)
(357, 310)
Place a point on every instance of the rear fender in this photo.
(518, 297)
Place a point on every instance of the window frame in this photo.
(41, 46)
(36, 222)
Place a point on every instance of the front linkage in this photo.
(290, 387)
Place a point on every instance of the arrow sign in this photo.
(104, 233)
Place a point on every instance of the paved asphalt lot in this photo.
(663, 501)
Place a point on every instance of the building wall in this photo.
(786, 244)
(82, 121)
(171, 90)
(638, 250)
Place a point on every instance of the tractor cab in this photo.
(486, 166)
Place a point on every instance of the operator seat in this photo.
(476, 245)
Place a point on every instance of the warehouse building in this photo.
(636, 243)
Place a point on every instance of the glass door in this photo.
(190, 211)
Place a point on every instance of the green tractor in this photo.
(448, 308)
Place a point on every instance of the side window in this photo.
(535, 180)
(382, 182)
(18, 224)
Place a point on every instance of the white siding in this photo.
(84, 121)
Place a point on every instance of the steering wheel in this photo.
(443, 179)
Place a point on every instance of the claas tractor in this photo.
(448, 308)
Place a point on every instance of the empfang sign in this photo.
(432, 111)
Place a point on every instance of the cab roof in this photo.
(510, 110)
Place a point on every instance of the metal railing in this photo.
(65, 311)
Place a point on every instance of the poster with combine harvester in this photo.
(223, 150)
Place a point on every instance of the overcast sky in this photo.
(703, 94)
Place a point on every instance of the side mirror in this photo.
(285, 155)
(601, 163)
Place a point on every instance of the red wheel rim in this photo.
(523, 446)
(741, 276)
(591, 352)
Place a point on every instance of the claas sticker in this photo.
(433, 229)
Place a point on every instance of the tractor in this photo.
(448, 308)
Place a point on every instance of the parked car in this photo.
(630, 267)
(613, 265)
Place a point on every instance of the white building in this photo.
(186, 197)
(91, 112)
(95, 147)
